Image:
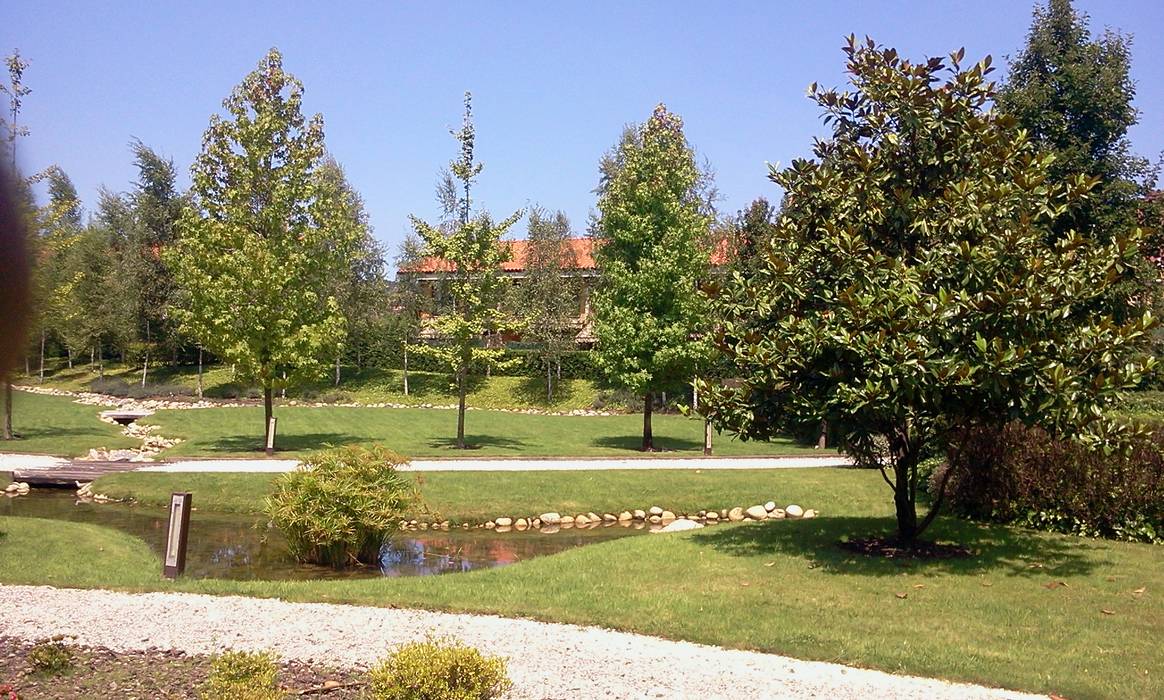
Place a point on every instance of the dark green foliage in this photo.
(915, 286)
(242, 675)
(341, 504)
(439, 669)
(1023, 475)
(1073, 94)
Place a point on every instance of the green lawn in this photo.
(1026, 612)
(479, 496)
(418, 432)
(55, 425)
(368, 385)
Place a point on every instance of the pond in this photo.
(232, 546)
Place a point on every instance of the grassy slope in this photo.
(428, 433)
(57, 426)
(779, 586)
(365, 386)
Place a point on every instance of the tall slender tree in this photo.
(651, 236)
(469, 244)
(548, 296)
(261, 243)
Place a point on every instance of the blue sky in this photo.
(553, 83)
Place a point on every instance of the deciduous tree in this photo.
(548, 295)
(468, 244)
(914, 288)
(260, 246)
(650, 239)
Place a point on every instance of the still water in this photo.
(224, 545)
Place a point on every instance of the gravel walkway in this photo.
(545, 660)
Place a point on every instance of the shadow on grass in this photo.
(996, 549)
(476, 442)
(284, 443)
(635, 442)
(532, 390)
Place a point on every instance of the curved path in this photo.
(546, 660)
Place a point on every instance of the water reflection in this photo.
(243, 547)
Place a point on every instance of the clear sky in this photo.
(553, 82)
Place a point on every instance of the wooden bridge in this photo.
(68, 475)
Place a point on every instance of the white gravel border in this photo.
(546, 660)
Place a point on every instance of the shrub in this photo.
(341, 504)
(50, 656)
(1024, 475)
(439, 669)
(242, 675)
(113, 386)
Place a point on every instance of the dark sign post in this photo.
(177, 533)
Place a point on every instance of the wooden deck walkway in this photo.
(69, 475)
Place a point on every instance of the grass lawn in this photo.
(1031, 611)
(416, 432)
(55, 425)
(368, 385)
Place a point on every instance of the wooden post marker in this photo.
(177, 533)
(270, 447)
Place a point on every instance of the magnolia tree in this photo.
(914, 286)
(260, 246)
(469, 246)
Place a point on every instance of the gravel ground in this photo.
(151, 674)
(545, 660)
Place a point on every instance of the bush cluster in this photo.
(341, 504)
(50, 656)
(439, 669)
(242, 675)
(1023, 475)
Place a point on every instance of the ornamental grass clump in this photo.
(439, 669)
(340, 505)
(242, 675)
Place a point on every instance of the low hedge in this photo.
(1024, 475)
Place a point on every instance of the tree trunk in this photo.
(549, 383)
(406, 369)
(706, 437)
(695, 395)
(100, 364)
(8, 434)
(461, 390)
(145, 368)
(41, 378)
(648, 437)
(199, 372)
(268, 411)
(337, 370)
(69, 354)
(27, 365)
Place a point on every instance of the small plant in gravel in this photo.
(341, 504)
(50, 656)
(439, 669)
(242, 675)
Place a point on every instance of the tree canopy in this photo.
(650, 238)
(914, 287)
(263, 240)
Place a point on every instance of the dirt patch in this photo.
(98, 672)
(890, 548)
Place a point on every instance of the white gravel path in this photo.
(520, 465)
(545, 660)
